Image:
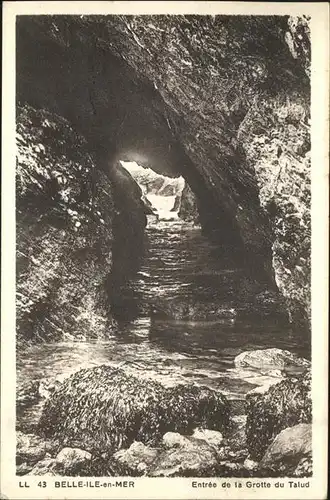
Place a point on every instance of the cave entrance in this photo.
(185, 284)
(161, 194)
(184, 274)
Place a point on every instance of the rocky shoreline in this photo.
(105, 422)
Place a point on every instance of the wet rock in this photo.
(304, 467)
(285, 193)
(73, 460)
(289, 448)
(250, 464)
(194, 450)
(188, 206)
(64, 232)
(129, 221)
(242, 144)
(23, 469)
(174, 439)
(261, 389)
(284, 405)
(213, 438)
(236, 438)
(270, 359)
(31, 448)
(136, 460)
(46, 467)
(27, 394)
(185, 457)
(104, 408)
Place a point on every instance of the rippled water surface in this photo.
(180, 267)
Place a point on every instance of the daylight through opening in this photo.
(161, 194)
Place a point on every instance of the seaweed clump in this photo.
(104, 409)
(284, 405)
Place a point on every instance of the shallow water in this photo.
(181, 267)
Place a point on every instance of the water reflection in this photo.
(180, 273)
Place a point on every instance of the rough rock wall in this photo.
(129, 222)
(238, 97)
(276, 138)
(188, 207)
(65, 232)
(222, 99)
(275, 135)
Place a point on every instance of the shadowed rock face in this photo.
(129, 222)
(64, 232)
(222, 100)
(69, 228)
(188, 207)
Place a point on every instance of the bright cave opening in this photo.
(161, 194)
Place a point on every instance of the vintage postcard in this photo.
(164, 250)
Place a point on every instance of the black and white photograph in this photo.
(163, 252)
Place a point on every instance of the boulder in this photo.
(178, 455)
(288, 449)
(136, 460)
(284, 405)
(31, 448)
(46, 467)
(205, 453)
(185, 457)
(270, 359)
(73, 460)
(250, 464)
(213, 438)
(106, 409)
(174, 440)
(23, 469)
(304, 467)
